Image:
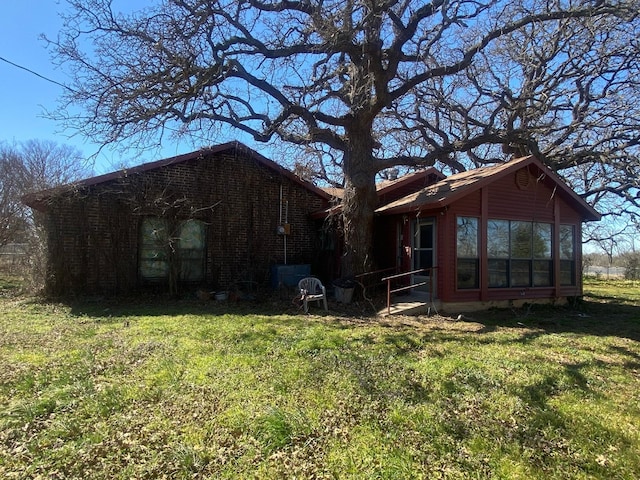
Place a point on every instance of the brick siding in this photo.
(93, 232)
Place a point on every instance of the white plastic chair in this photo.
(312, 290)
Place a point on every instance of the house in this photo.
(387, 192)
(214, 217)
(494, 236)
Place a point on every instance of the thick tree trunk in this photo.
(359, 203)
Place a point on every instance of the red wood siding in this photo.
(506, 201)
(503, 199)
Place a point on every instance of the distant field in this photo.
(606, 272)
(157, 389)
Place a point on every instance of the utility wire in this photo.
(37, 74)
(74, 91)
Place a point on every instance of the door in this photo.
(424, 248)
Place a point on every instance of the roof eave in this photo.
(38, 200)
(588, 213)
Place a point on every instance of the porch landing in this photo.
(413, 304)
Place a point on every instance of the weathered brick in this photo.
(94, 230)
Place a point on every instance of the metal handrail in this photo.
(392, 277)
(407, 287)
(361, 277)
(364, 284)
(375, 272)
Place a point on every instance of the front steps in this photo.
(413, 304)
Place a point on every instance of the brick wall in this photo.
(93, 232)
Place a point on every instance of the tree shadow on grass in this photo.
(147, 305)
(268, 304)
(590, 318)
(592, 315)
(595, 314)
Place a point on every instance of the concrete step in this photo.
(414, 304)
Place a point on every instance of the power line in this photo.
(33, 72)
(37, 74)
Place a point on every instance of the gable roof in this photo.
(456, 186)
(387, 190)
(386, 187)
(390, 190)
(38, 200)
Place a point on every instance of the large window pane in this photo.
(542, 240)
(521, 234)
(498, 239)
(468, 273)
(567, 244)
(498, 273)
(154, 232)
(154, 265)
(567, 255)
(567, 272)
(191, 250)
(192, 235)
(467, 252)
(154, 240)
(467, 237)
(520, 273)
(542, 273)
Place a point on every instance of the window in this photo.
(521, 233)
(567, 255)
(467, 252)
(159, 249)
(191, 250)
(423, 241)
(542, 260)
(498, 252)
(519, 254)
(154, 241)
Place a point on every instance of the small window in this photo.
(467, 253)
(159, 249)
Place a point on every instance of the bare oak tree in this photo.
(28, 167)
(12, 212)
(372, 84)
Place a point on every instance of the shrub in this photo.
(632, 266)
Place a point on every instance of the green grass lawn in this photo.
(159, 389)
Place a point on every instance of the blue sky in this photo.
(24, 97)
